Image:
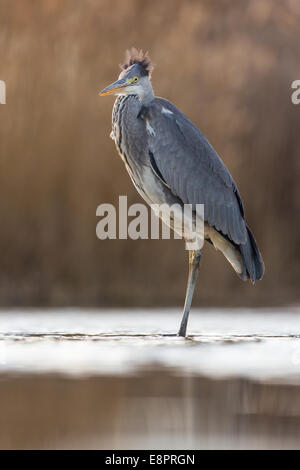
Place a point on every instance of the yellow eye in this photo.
(135, 79)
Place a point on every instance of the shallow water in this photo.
(96, 379)
(260, 344)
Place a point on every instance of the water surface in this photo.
(111, 379)
(260, 344)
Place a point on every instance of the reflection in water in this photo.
(155, 409)
(75, 379)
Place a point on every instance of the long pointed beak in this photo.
(113, 87)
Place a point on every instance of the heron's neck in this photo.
(146, 93)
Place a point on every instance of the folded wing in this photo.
(192, 169)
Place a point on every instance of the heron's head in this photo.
(134, 78)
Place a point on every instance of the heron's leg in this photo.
(194, 261)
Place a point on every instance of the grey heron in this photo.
(170, 161)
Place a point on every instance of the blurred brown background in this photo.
(228, 65)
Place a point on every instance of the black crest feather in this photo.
(133, 56)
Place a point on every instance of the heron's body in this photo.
(135, 155)
(170, 161)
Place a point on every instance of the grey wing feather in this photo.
(191, 168)
(155, 169)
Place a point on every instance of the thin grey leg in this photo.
(194, 261)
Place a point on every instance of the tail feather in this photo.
(253, 263)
